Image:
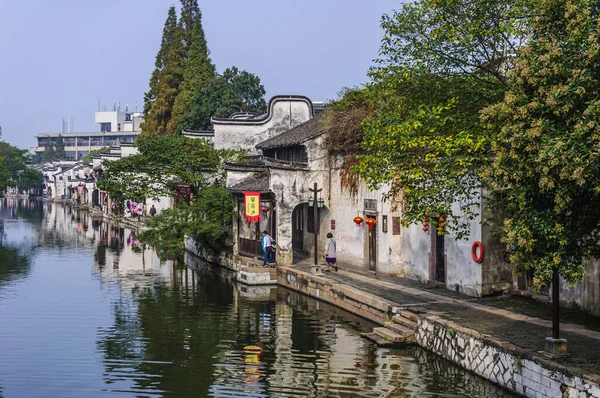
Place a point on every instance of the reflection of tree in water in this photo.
(13, 264)
(171, 333)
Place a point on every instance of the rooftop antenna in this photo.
(114, 106)
(127, 107)
(136, 106)
(119, 107)
(98, 104)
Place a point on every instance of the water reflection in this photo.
(108, 317)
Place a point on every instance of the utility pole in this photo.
(315, 205)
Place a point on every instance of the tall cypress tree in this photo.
(170, 36)
(60, 148)
(190, 17)
(198, 70)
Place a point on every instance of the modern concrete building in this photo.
(115, 128)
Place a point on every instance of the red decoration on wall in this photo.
(332, 224)
(371, 222)
(358, 220)
(264, 209)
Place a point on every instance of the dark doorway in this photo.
(372, 242)
(437, 258)
(298, 228)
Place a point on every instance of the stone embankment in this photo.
(406, 320)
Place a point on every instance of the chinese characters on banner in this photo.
(252, 206)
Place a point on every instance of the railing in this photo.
(249, 247)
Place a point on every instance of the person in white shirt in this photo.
(267, 246)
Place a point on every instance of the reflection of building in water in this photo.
(121, 257)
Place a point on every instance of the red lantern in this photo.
(371, 222)
(264, 209)
(358, 220)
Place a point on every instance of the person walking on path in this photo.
(152, 211)
(330, 253)
(267, 246)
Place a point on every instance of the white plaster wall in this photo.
(284, 113)
(128, 151)
(462, 273)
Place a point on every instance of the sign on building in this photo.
(252, 206)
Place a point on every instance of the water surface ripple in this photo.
(87, 311)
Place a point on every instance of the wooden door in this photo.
(372, 245)
(437, 258)
(298, 228)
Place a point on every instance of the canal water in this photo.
(87, 311)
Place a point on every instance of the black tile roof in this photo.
(295, 136)
(259, 182)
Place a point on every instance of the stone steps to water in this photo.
(409, 315)
(400, 320)
(401, 329)
(389, 335)
(407, 333)
(380, 341)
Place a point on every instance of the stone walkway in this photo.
(517, 320)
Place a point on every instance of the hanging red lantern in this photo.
(371, 222)
(358, 220)
(264, 209)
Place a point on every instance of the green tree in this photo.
(198, 66)
(440, 63)
(233, 91)
(163, 163)
(165, 79)
(546, 168)
(190, 20)
(60, 148)
(14, 171)
(49, 154)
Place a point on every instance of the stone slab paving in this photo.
(517, 320)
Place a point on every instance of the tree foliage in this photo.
(163, 162)
(198, 66)
(440, 63)
(207, 219)
(546, 169)
(164, 84)
(60, 148)
(14, 170)
(233, 91)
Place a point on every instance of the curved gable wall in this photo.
(284, 113)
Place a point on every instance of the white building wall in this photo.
(283, 114)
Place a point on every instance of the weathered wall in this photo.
(284, 112)
(586, 294)
(497, 273)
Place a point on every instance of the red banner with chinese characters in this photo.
(252, 206)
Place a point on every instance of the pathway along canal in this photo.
(85, 311)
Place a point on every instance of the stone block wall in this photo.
(502, 364)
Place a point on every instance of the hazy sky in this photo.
(59, 57)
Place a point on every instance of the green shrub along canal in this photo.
(87, 311)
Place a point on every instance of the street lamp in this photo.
(311, 203)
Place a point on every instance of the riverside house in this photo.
(289, 157)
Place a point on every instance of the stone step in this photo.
(400, 329)
(380, 341)
(389, 335)
(400, 320)
(410, 315)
